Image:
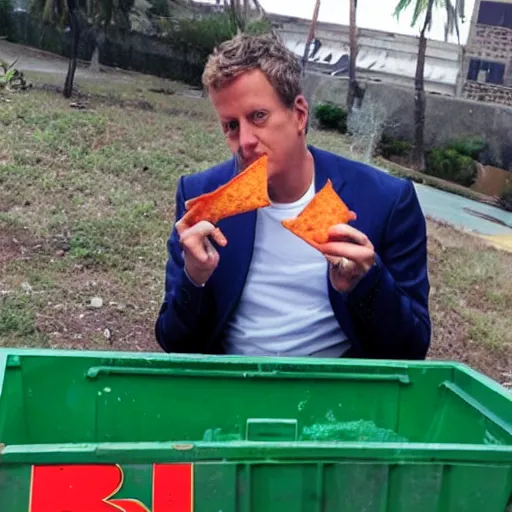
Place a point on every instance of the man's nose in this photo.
(248, 138)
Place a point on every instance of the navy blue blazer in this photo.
(385, 317)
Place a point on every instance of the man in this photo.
(249, 286)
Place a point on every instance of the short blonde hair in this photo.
(248, 52)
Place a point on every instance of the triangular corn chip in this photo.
(325, 210)
(245, 192)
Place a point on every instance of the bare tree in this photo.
(366, 125)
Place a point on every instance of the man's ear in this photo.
(302, 109)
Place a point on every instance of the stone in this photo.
(96, 302)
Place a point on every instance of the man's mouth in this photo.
(246, 162)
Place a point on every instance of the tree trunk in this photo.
(311, 35)
(99, 40)
(420, 100)
(94, 66)
(235, 10)
(75, 39)
(352, 84)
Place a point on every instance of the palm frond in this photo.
(460, 8)
(419, 8)
(455, 11)
(402, 6)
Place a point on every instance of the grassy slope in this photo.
(86, 204)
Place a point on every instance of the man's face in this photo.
(255, 121)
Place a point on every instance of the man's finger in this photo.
(357, 253)
(346, 232)
(196, 248)
(219, 237)
(209, 249)
(200, 250)
(202, 229)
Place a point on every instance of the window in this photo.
(486, 72)
(498, 14)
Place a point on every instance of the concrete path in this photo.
(488, 222)
(464, 213)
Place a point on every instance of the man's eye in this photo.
(259, 116)
(231, 126)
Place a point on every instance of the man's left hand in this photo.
(350, 254)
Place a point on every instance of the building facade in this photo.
(382, 56)
(488, 53)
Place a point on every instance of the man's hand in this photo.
(201, 257)
(350, 254)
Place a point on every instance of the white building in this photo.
(382, 56)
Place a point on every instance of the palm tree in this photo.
(245, 12)
(311, 36)
(352, 84)
(424, 9)
(76, 14)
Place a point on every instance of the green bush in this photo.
(450, 165)
(473, 147)
(456, 160)
(388, 146)
(199, 36)
(331, 117)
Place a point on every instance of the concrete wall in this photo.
(446, 118)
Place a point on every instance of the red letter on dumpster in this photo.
(173, 488)
(79, 488)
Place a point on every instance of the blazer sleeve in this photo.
(390, 305)
(181, 319)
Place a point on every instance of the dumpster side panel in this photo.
(13, 418)
(475, 488)
(14, 487)
(63, 407)
(257, 487)
(419, 402)
(219, 487)
(186, 409)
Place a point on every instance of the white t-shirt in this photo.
(284, 308)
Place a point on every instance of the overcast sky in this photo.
(374, 14)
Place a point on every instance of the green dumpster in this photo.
(132, 432)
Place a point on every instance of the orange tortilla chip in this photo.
(245, 192)
(325, 210)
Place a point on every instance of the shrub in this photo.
(456, 160)
(474, 147)
(450, 165)
(388, 146)
(331, 117)
(11, 78)
(199, 36)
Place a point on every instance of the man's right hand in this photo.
(201, 257)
